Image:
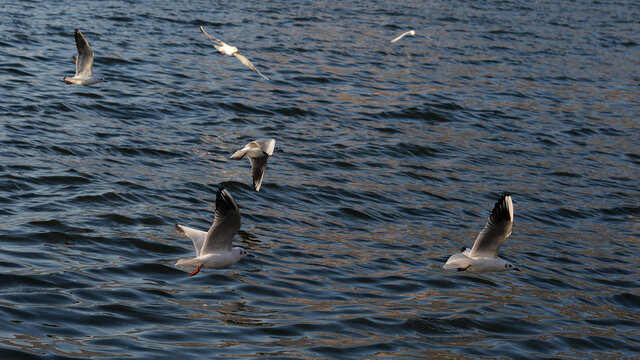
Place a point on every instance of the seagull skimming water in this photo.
(84, 63)
(483, 257)
(213, 248)
(231, 50)
(410, 32)
(258, 152)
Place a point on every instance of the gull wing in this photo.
(412, 32)
(497, 229)
(258, 165)
(248, 63)
(84, 61)
(218, 42)
(266, 145)
(197, 236)
(226, 224)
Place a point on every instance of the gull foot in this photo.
(196, 271)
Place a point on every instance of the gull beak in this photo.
(249, 255)
(516, 269)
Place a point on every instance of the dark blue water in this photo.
(393, 155)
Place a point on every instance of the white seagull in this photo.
(84, 63)
(258, 152)
(231, 50)
(213, 248)
(410, 32)
(483, 257)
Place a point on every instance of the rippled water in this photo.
(393, 155)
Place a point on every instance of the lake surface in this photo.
(392, 158)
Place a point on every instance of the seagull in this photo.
(258, 152)
(213, 248)
(231, 50)
(84, 63)
(483, 257)
(410, 32)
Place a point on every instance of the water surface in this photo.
(393, 155)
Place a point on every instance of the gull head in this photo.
(90, 80)
(509, 266)
(412, 32)
(240, 253)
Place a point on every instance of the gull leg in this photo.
(464, 268)
(196, 271)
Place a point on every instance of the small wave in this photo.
(433, 326)
(144, 152)
(413, 150)
(242, 108)
(61, 180)
(429, 113)
(59, 226)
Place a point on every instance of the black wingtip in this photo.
(224, 200)
(503, 197)
(77, 35)
(220, 195)
(500, 209)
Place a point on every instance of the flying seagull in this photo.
(410, 32)
(84, 63)
(483, 256)
(231, 50)
(213, 248)
(258, 152)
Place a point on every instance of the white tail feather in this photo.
(189, 262)
(457, 261)
(238, 153)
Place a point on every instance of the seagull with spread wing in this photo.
(483, 256)
(213, 248)
(410, 32)
(84, 63)
(231, 50)
(258, 151)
